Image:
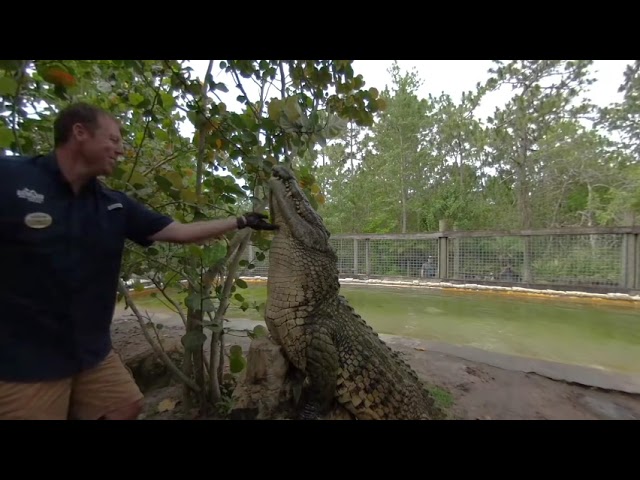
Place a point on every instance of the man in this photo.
(62, 234)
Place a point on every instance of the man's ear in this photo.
(80, 132)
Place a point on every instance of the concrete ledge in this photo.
(591, 377)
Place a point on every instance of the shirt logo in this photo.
(114, 206)
(30, 195)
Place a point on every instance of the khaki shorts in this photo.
(87, 396)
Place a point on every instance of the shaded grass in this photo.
(442, 397)
(257, 294)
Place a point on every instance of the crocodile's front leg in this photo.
(322, 366)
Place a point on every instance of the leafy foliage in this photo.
(219, 172)
(548, 158)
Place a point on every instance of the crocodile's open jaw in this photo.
(293, 214)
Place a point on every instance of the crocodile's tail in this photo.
(394, 353)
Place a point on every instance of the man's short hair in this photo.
(87, 115)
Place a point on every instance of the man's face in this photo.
(101, 149)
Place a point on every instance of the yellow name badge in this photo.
(38, 220)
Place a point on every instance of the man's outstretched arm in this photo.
(197, 232)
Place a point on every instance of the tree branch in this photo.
(165, 358)
(239, 85)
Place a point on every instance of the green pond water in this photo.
(598, 334)
(594, 334)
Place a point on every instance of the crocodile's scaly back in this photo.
(342, 358)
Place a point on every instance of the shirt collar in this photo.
(50, 163)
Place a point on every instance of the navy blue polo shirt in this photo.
(60, 258)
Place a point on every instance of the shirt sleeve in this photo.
(142, 222)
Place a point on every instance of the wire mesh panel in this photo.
(485, 258)
(590, 260)
(397, 257)
(345, 251)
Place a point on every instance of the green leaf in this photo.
(260, 331)
(235, 351)
(292, 109)
(138, 178)
(135, 98)
(208, 306)
(175, 179)
(241, 283)
(104, 87)
(193, 301)
(189, 196)
(237, 364)
(220, 86)
(287, 125)
(275, 109)
(212, 254)
(195, 250)
(193, 340)
(194, 88)
(8, 86)
(6, 137)
(169, 278)
(167, 100)
(164, 183)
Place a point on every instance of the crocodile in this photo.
(343, 361)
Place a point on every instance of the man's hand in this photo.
(256, 221)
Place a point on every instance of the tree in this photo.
(544, 94)
(180, 176)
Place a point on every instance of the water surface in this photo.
(592, 333)
(579, 331)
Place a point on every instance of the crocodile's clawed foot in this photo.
(309, 412)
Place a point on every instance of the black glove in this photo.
(256, 221)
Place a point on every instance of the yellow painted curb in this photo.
(564, 296)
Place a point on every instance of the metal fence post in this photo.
(443, 251)
(355, 257)
(629, 271)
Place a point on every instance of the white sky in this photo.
(438, 76)
(457, 76)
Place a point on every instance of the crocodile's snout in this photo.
(282, 173)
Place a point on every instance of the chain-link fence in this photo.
(593, 258)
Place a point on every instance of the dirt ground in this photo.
(470, 390)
